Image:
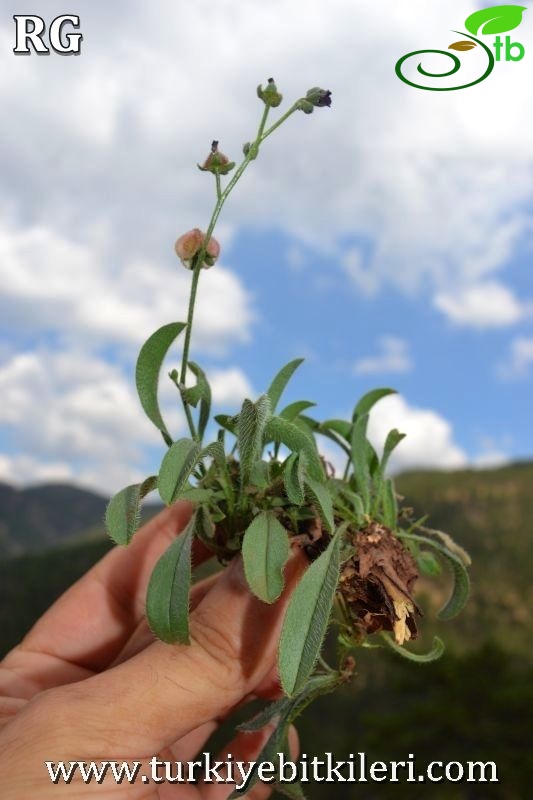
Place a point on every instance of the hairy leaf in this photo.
(252, 421)
(281, 380)
(427, 563)
(265, 550)
(461, 581)
(293, 477)
(369, 400)
(167, 599)
(147, 371)
(122, 515)
(293, 437)
(393, 440)
(340, 426)
(306, 620)
(295, 409)
(360, 459)
(200, 392)
(176, 467)
(420, 658)
(322, 496)
(228, 422)
(390, 504)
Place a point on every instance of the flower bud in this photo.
(247, 147)
(216, 162)
(319, 97)
(305, 106)
(190, 243)
(270, 95)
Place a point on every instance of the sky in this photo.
(387, 239)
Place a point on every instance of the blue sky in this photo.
(387, 240)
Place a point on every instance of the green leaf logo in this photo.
(463, 45)
(496, 19)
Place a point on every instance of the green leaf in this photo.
(393, 440)
(281, 380)
(293, 477)
(323, 498)
(147, 371)
(340, 426)
(202, 393)
(167, 599)
(122, 514)
(360, 459)
(295, 409)
(306, 620)
(436, 651)
(265, 550)
(461, 588)
(176, 467)
(461, 581)
(369, 400)
(428, 564)
(228, 422)
(298, 441)
(286, 710)
(496, 19)
(390, 504)
(252, 421)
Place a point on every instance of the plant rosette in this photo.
(260, 488)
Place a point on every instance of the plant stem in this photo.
(222, 196)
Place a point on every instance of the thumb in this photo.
(166, 691)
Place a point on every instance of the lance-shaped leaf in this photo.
(339, 426)
(281, 380)
(176, 467)
(229, 423)
(298, 441)
(496, 19)
(306, 619)
(322, 497)
(359, 457)
(284, 711)
(393, 440)
(265, 550)
(122, 515)
(389, 503)
(167, 599)
(293, 477)
(461, 581)
(147, 371)
(295, 409)
(420, 658)
(369, 400)
(252, 421)
(200, 392)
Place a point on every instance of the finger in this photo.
(88, 626)
(166, 691)
(143, 636)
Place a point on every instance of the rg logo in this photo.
(31, 29)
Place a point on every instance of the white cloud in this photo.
(519, 360)
(429, 441)
(230, 387)
(436, 182)
(71, 416)
(484, 305)
(52, 281)
(393, 356)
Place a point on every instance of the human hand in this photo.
(89, 683)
